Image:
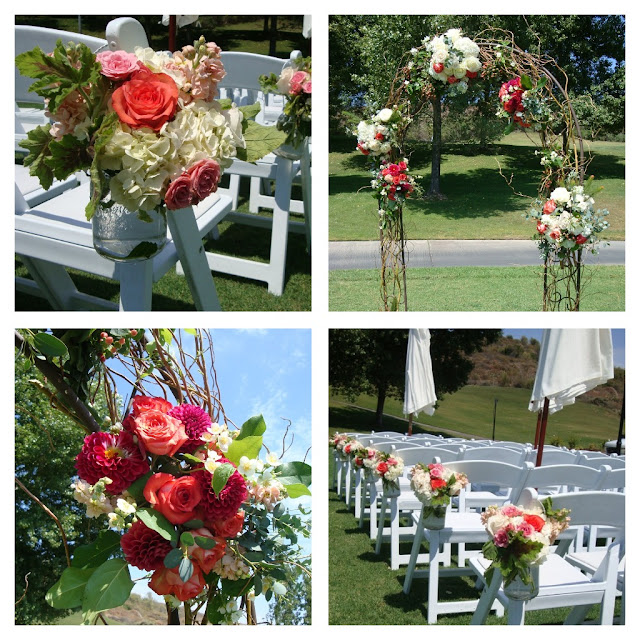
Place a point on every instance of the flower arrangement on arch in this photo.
(434, 485)
(295, 84)
(377, 136)
(392, 186)
(146, 125)
(520, 538)
(188, 501)
(568, 221)
(523, 104)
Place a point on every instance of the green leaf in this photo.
(136, 489)
(260, 141)
(186, 538)
(249, 446)
(220, 476)
(235, 588)
(173, 558)
(67, 593)
(294, 473)
(67, 156)
(542, 82)
(258, 585)
(158, 523)
(191, 332)
(225, 103)
(142, 250)
(95, 554)
(525, 81)
(204, 542)
(108, 587)
(185, 570)
(37, 144)
(194, 524)
(49, 345)
(254, 426)
(296, 490)
(99, 180)
(250, 111)
(254, 556)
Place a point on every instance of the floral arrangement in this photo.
(146, 125)
(294, 83)
(520, 538)
(434, 485)
(568, 221)
(392, 186)
(337, 440)
(522, 103)
(377, 136)
(365, 457)
(351, 448)
(388, 468)
(187, 500)
(451, 61)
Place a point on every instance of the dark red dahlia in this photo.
(144, 548)
(195, 420)
(113, 456)
(228, 501)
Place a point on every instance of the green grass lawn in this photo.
(479, 204)
(469, 413)
(474, 289)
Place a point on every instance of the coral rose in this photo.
(112, 456)
(549, 207)
(204, 176)
(230, 527)
(167, 582)
(179, 194)
(144, 548)
(535, 521)
(175, 498)
(146, 100)
(141, 404)
(207, 558)
(159, 433)
(117, 65)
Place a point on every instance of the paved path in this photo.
(458, 253)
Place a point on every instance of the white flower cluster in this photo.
(231, 567)
(373, 138)
(231, 612)
(454, 59)
(94, 497)
(426, 482)
(218, 436)
(262, 484)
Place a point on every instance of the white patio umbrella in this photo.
(419, 389)
(571, 362)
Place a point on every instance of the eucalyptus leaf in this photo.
(205, 543)
(187, 539)
(185, 570)
(173, 558)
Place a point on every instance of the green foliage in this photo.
(94, 554)
(249, 440)
(68, 592)
(294, 608)
(46, 443)
(220, 477)
(260, 141)
(108, 587)
(156, 521)
(296, 477)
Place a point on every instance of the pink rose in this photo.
(555, 234)
(501, 539)
(117, 65)
(549, 207)
(178, 194)
(306, 87)
(204, 176)
(526, 529)
(297, 80)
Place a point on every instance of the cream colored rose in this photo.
(472, 64)
(560, 195)
(284, 81)
(454, 35)
(384, 115)
(467, 46)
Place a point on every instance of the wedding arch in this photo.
(533, 97)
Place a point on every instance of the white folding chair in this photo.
(562, 584)
(594, 462)
(56, 235)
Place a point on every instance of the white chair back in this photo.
(497, 454)
(596, 462)
(125, 34)
(555, 456)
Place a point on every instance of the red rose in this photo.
(549, 206)
(580, 239)
(175, 498)
(179, 194)
(230, 527)
(207, 558)
(452, 79)
(472, 74)
(541, 227)
(159, 433)
(438, 483)
(379, 136)
(382, 467)
(402, 165)
(146, 403)
(204, 176)
(535, 521)
(167, 582)
(438, 67)
(146, 100)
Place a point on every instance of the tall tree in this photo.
(294, 608)
(373, 360)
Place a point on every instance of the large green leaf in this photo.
(93, 555)
(158, 523)
(294, 473)
(37, 143)
(220, 477)
(68, 155)
(254, 426)
(249, 446)
(250, 111)
(136, 489)
(296, 490)
(260, 141)
(49, 345)
(68, 592)
(108, 587)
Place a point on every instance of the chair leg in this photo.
(373, 511)
(357, 499)
(280, 227)
(305, 171)
(413, 559)
(394, 515)
(54, 282)
(136, 282)
(381, 519)
(488, 596)
(515, 612)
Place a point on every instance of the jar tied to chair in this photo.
(520, 590)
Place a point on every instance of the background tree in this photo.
(295, 607)
(373, 361)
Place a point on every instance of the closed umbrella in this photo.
(419, 389)
(571, 362)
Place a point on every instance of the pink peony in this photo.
(195, 420)
(112, 456)
(306, 87)
(118, 65)
(204, 176)
(179, 195)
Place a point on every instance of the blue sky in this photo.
(617, 336)
(265, 371)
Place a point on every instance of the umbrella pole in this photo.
(621, 428)
(537, 436)
(410, 431)
(172, 33)
(543, 431)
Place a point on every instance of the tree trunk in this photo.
(436, 147)
(382, 394)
